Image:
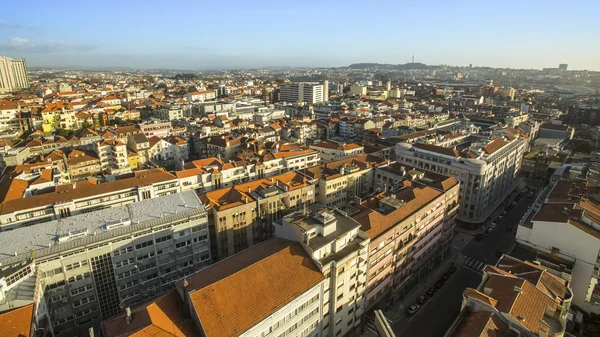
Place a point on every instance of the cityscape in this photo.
(295, 196)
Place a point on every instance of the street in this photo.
(434, 318)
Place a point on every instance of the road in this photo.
(436, 316)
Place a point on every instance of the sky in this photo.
(228, 34)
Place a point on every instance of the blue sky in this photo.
(242, 33)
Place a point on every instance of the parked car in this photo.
(413, 309)
(499, 218)
(525, 190)
(504, 213)
(439, 284)
(493, 225)
(452, 270)
(514, 203)
(478, 237)
(422, 300)
(431, 292)
(531, 194)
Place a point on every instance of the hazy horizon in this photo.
(209, 36)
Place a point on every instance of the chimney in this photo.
(128, 318)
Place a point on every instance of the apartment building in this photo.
(159, 129)
(9, 116)
(556, 131)
(344, 181)
(515, 298)
(84, 196)
(564, 224)
(95, 264)
(82, 164)
(301, 93)
(243, 215)
(331, 151)
(113, 155)
(13, 74)
(200, 96)
(410, 229)
(340, 250)
(486, 169)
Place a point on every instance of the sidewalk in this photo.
(398, 309)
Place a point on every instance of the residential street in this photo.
(438, 313)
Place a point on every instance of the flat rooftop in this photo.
(53, 236)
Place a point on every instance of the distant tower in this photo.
(326, 91)
(413, 58)
(388, 85)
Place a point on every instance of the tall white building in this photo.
(565, 225)
(13, 74)
(301, 93)
(487, 171)
(81, 269)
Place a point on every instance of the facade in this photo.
(564, 223)
(340, 250)
(556, 131)
(97, 263)
(515, 298)
(301, 93)
(410, 229)
(164, 129)
(113, 155)
(487, 171)
(13, 74)
(9, 116)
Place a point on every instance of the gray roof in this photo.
(68, 233)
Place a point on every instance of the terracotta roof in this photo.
(481, 324)
(161, 317)
(438, 149)
(415, 198)
(17, 322)
(78, 190)
(494, 146)
(235, 294)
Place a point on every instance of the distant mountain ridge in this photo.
(406, 66)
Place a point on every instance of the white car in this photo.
(493, 225)
(413, 309)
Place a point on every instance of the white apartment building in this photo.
(335, 243)
(331, 151)
(91, 266)
(301, 93)
(84, 196)
(566, 226)
(9, 116)
(113, 155)
(162, 129)
(487, 171)
(13, 74)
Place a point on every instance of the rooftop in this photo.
(235, 294)
(71, 232)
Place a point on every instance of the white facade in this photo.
(485, 180)
(301, 92)
(13, 74)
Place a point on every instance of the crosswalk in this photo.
(461, 240)
(473, 264)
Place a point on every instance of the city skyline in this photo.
(184, 35)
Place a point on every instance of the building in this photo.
(9, 116)
(515, 298)
(564, 224)
(556, 131)
(340, 250)
(243, 215)
(13, 74)
(159, 129)
(84, 196)
(93, 265)
(344, 181)
(410, 228)
(563, 66)
(301, 93)
(331, 151)
(359, 90)
(487, 171)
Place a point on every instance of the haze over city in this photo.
(248, 34)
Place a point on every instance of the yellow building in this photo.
(134, 160)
